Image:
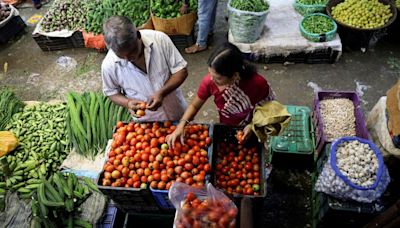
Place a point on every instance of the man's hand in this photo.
(156, 102)
(184, 8)
(134, 105)
(247, 132)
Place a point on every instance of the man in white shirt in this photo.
(143, 66)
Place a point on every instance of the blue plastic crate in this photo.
(161, 196)
(109, 218)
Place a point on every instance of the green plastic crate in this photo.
(296, 138)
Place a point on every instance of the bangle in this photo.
(184, 120)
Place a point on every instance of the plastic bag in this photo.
(336, 183)
(245, 26)
(8, 142)
(94, 41)
(201, 207)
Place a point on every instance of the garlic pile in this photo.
(358, 162)
(338, 117)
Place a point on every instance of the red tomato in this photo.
(161, 185)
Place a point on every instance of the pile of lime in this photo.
(398, 4)
(363, 14)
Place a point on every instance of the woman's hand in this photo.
(177, 134)
(247, 132)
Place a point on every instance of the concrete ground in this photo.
(36, 75)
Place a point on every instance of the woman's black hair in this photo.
(228, 59)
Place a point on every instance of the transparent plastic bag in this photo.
(246, 27)
(335, 183)
(201, 207)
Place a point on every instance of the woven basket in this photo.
(304, 9)
(328, 36)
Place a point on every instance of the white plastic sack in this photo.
(245, 26)
(377, 126)
(14, 12)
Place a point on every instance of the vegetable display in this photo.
(363, 14)
(5, 11)
(338, 118)
(139, 156)
(250, 5)
(170, 8)
(58, 199)
(238, 169)
(197, 212)
(41, 130)
(9, 104)
(66, 14)
(90, 119)
(318, 24)
(99, 11)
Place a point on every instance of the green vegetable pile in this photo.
(66, 14)
(9, 104)
(58, 200)
(170, 8)
(318, 24)
(91, 117)
(363, 14)
(250, 5)
(41, 130)
(98, 12)
(312, 2)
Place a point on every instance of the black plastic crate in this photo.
(227, 134)
(58, 43)
(112, 217)
(319, 56)
(130, 200)
(14, 27)
(181, 41)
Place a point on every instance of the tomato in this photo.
(107, 175)
(207, 168)
(164, 177)
(213, 216)
(140, 171)
(170, 164)
(116, 174)
(136, 184)
(154, 142)
(161, 185)
(109, 168)
(178, 169)
(188, 166)
(185, 175)
(157, 176)
(188, 158)
(153, 184)
(143, 179)
(120, 124)
(189, 181)
(144, 157)
(161, 139)
(135, 177)
(106, 182)
(208, 140)
(167, 124)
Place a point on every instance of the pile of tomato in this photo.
(140, 157)
(198, 213)
(238, 169)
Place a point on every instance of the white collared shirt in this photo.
(162, 60)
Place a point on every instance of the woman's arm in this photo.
(189, 114)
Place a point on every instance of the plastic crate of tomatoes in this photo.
(239, 167)
(189, 163)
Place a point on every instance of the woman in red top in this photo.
(236, 86)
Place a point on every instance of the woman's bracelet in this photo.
(184, 120)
